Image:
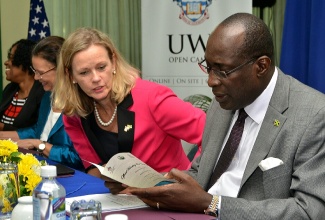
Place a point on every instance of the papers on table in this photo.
(110, 202)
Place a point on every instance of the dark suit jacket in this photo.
(29, 113)
(293, 190)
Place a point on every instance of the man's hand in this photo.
(94, 172)
(186, 195)
(114, 186)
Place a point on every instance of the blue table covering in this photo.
(80, 183)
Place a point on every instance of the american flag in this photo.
(39, 26)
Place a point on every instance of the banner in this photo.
(174, 36)
(303, 42)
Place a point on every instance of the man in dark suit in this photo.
(277, 171)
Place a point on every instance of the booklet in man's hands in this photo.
(129, 170)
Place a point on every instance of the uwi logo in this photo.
(193, 12)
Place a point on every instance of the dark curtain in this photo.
(303, 42)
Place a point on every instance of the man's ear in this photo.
(263, 64)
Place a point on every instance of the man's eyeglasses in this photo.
(219, 73)
(41, 73)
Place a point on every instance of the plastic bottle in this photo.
(49, 197)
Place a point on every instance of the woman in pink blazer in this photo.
(109, 109)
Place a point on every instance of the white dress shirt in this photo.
(229, 182)
(51, 120)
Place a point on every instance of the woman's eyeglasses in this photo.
(41, 73)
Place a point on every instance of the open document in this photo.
(128, 169)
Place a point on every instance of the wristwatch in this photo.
(213, 207)
(41, 148)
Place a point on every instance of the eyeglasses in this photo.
(219, 73)
(41, 73)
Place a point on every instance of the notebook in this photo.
(63, 170)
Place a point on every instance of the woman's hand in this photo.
(28, 144)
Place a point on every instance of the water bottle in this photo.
(49, 196)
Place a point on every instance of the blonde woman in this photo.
(109, 109)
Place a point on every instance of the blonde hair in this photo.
(68, 96)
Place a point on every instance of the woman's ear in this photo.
(66, 70)
(263, 64)
(114, 61)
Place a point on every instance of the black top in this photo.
(107, 139)
(29, 112)
(106, 144)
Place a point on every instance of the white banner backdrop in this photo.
(174, 35)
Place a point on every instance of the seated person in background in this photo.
(110, 109)
(48, 134)
(285, 122)
(21, 98)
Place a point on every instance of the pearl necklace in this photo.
(105, 124)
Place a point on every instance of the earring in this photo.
(114, 72)
(74, 82)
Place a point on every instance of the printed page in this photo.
(128, 169)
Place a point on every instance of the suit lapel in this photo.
(92, 137)
(126, 125)
(269, 130)
(6, 100)
(44, 117)
(45, 107)
(264, 141)
(58, 124)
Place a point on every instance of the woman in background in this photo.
(21, 98)
(109, 109)
(48, 135)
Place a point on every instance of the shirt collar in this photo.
(258, 108)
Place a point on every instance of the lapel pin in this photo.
(276, 123)
(127, 128)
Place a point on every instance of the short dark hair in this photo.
(49, 48)
(23, 54)
(258, 38)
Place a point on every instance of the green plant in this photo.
(198, 100)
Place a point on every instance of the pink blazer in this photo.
(152, 120)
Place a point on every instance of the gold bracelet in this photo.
(213, 207)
